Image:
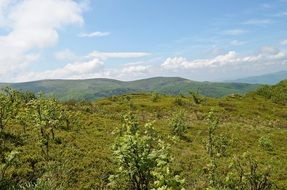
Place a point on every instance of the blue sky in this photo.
(128, 39)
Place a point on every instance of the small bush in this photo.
(178, 124)
(154, 97)
(266, 143)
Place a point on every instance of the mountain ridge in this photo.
(90, 89)
(270, 78)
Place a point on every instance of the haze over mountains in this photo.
(271, 78)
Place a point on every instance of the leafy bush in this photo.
(266, 143)
(245, 174)
(143, 160)
(155, 97)
(276, 93)
(196, 97)
(178, 101)
(178, 123)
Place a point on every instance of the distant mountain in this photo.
(271, 78)
(91, 89)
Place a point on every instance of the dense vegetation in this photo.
(93, 89)
(276, 93)
(144, 141)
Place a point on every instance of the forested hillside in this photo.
(92, 89)
(144, 141)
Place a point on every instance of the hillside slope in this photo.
(92, 89)
(80, 154)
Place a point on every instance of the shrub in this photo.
(154, 97)
(143, 160)
(266, 143)
(245, 174)
(178, 124)
(178, 101)
(197, 98)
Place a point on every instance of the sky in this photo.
(204, 40)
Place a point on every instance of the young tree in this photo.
(216, 147)
(143, 160)
(9, 106)
(178, 124)
(48, 115)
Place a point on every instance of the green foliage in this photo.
(276, 93)
(81, 157)
(7, 169)
(197, 98)
(178, 101)
(245, 174)
(212, 151)
(266, 143)
(48, 116)
(143, 160)
(178, 123)
(9, 105)
(155, 97)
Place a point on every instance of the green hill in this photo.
(92, 89)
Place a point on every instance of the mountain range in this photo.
(91, 89)
(271, 78)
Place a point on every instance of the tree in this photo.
(48, 115)
(143, 159)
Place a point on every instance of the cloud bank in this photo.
(32, 25)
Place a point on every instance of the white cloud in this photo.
(95, 34)
(32, 25)
(258, 22)
(90, 66)
(266, 56)
(181, 62)
(137, 69)
(77, 70)
(234, 32)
